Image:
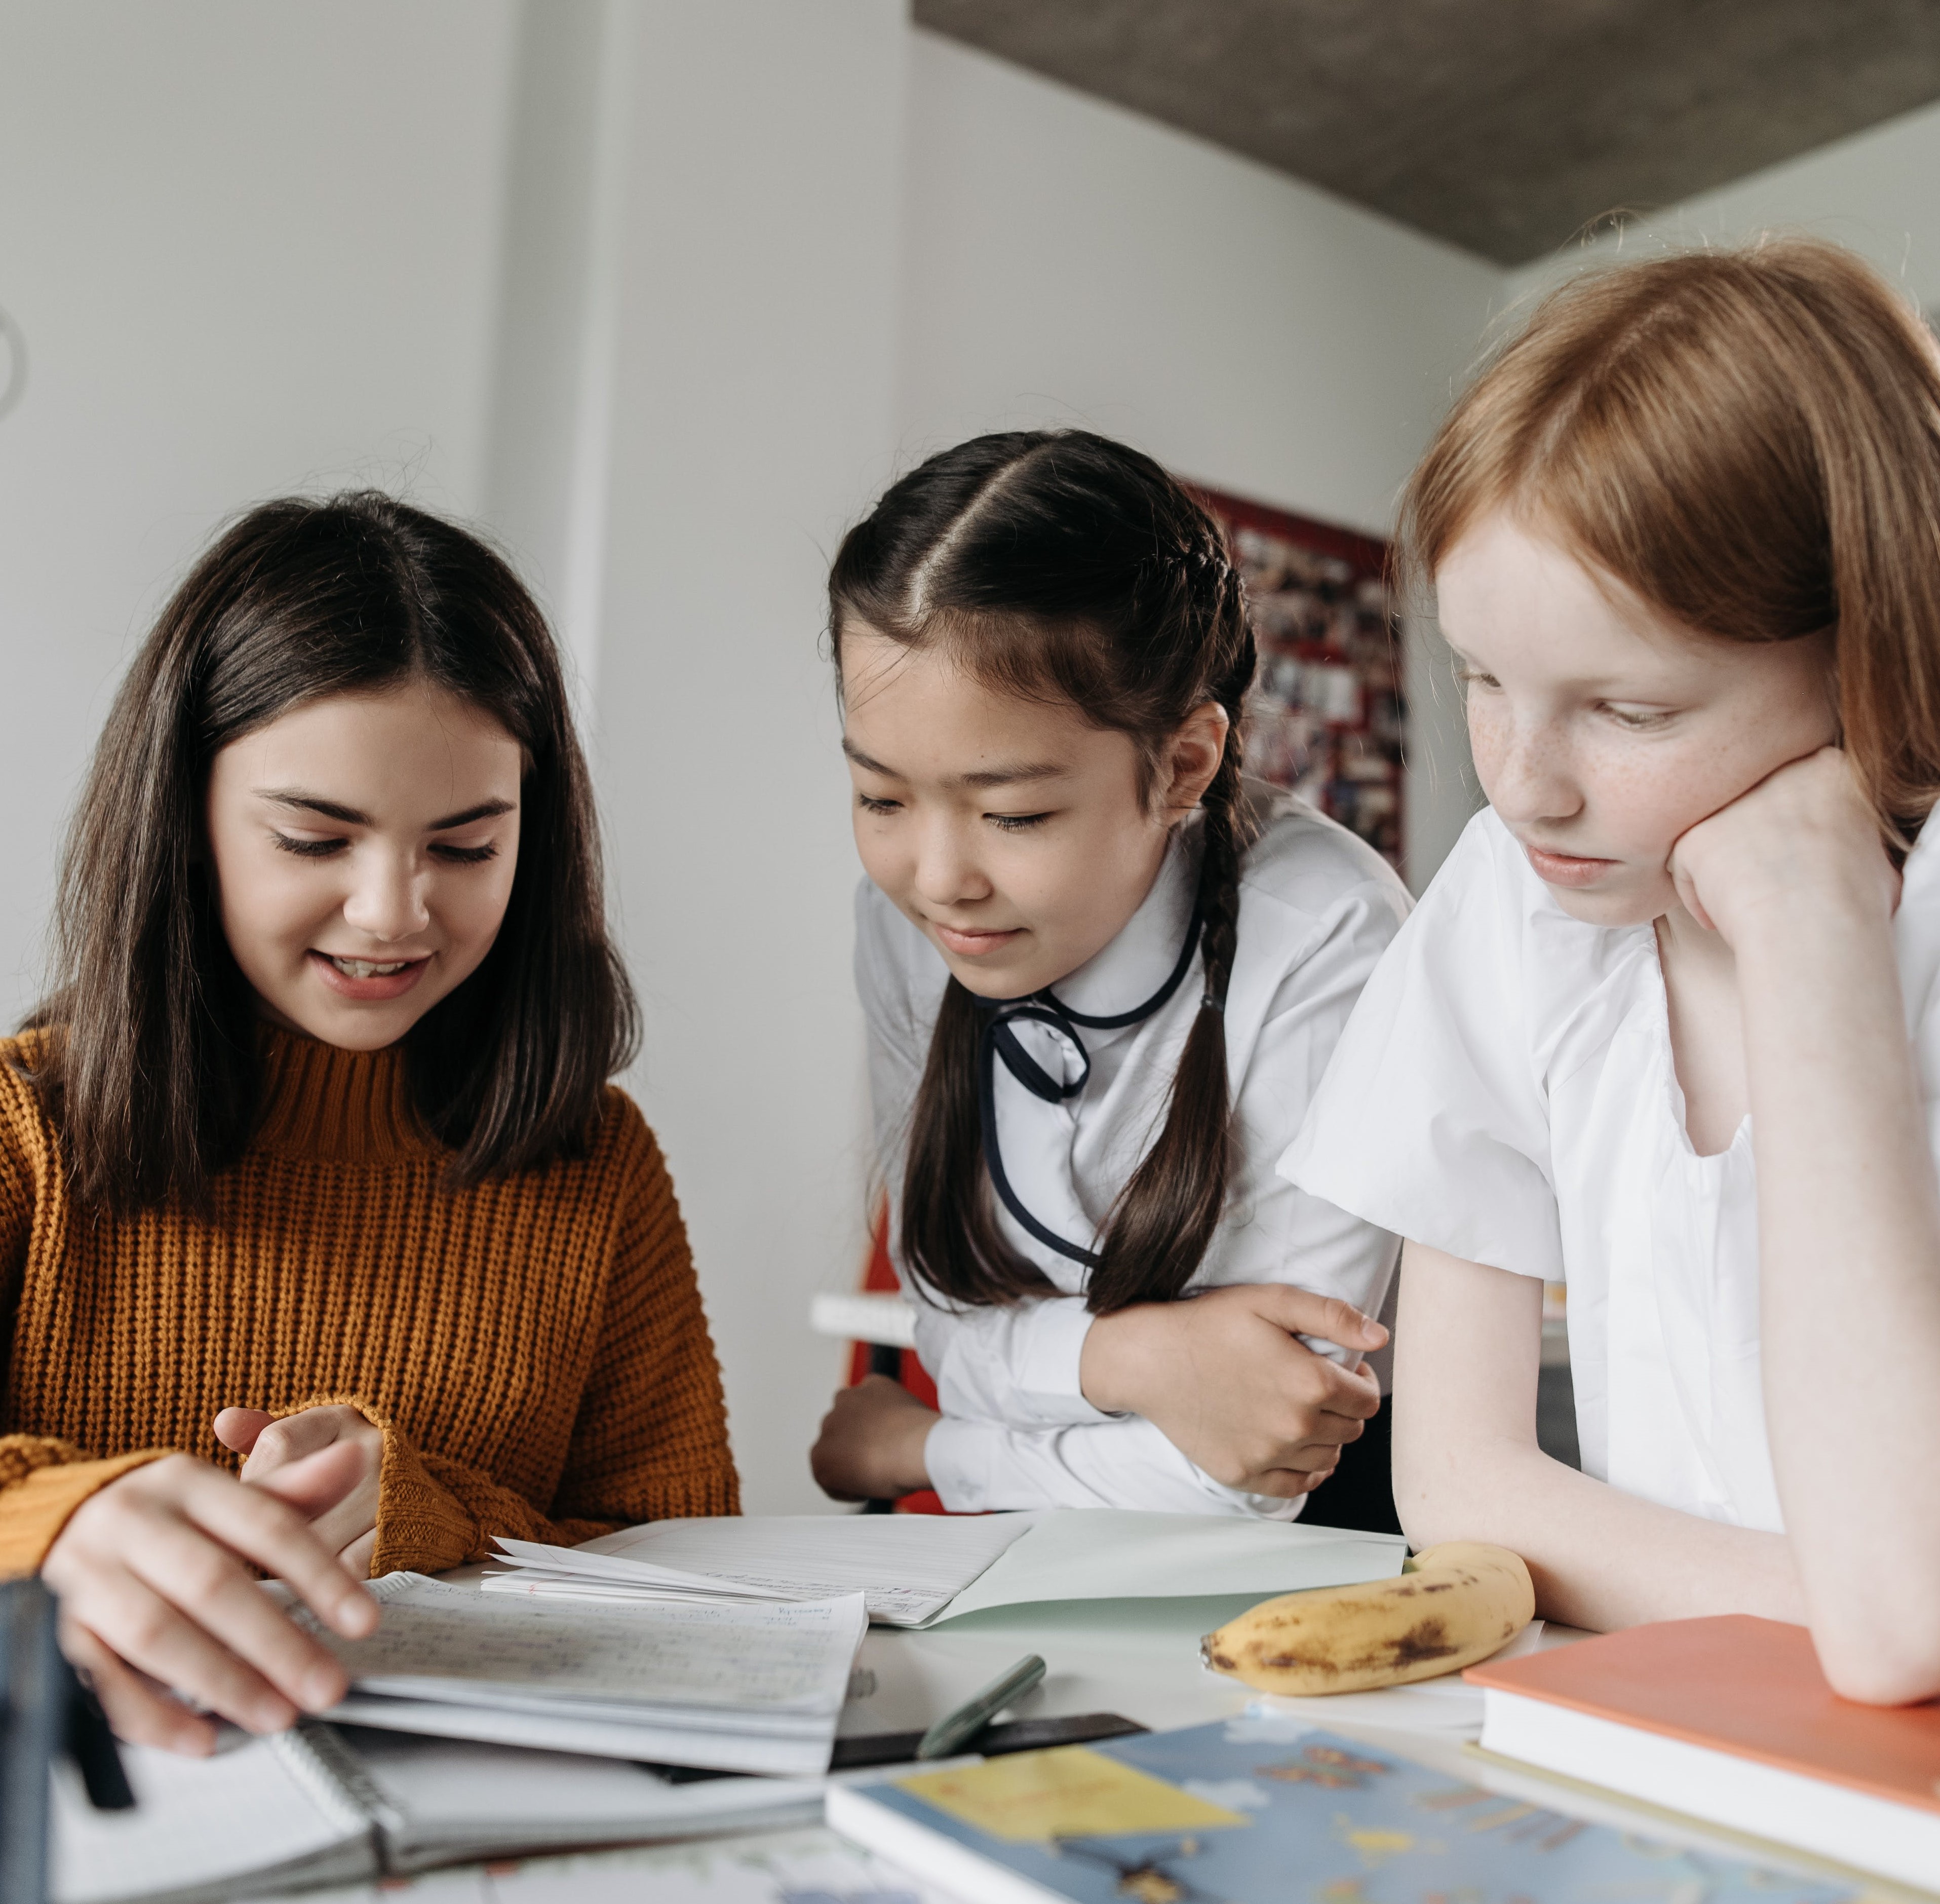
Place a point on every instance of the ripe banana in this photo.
(1451, 1606)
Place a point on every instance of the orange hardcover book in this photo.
(1729, 1720)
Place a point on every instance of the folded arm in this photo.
(1468, 1346)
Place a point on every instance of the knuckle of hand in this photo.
(140, 1633)
(205, 1574)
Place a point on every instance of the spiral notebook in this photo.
(321, 1804)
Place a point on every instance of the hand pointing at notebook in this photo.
(153, 1573)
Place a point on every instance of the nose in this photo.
(947, 872)
(1526, 770)
(386, 899)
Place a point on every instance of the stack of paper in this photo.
(908, 1567)
(918, 1570)
(728, 1684)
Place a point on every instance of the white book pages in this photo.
(908, 1566)
(729, 1685)
(560, 1731)
(261, 1807)
(443, 1798)
(805, 1866)
(918, 1569)
(1102, 1554)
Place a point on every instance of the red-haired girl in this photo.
(1666, 1026)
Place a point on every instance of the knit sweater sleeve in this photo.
(650, 1438)
(42, 1479)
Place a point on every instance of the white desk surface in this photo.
(1147, 1670)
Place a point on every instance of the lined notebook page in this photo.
(439, 1640)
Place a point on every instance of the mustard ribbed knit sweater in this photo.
(534, 1349)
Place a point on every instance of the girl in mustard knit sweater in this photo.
(309, 1158)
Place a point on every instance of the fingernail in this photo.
(271, 1716)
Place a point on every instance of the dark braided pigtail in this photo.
(1056, 565)
(1163, 1222)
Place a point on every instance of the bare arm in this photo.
(1849, 1215)
(1468, 1345)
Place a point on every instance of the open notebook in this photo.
(915, 1569)
(320, 1804)
(732, 1685)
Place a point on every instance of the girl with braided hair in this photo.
(1102, 975)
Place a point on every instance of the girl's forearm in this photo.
(1849, 1223)
(1599, 1558)
(1467, 1467)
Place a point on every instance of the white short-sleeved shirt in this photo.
(1317, 909)
(1505, 1093)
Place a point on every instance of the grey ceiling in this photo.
(1505, 126)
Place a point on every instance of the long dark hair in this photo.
(1058, 566)
(151, 1064)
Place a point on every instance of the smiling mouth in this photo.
(369, 981)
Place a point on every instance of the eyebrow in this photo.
(295, 796)
(988, 777)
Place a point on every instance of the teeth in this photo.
(366, 968)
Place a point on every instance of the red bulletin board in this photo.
(1325, 715)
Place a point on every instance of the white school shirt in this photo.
(1317, 908)
(1505, 1093)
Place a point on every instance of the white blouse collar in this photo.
(1141, 958)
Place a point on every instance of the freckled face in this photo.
(1012, 833)
(1602, 730)
(364, 847)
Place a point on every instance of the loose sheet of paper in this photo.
(908, 1566)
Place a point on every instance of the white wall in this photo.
(1874, 191)
(1067, 261)
(752, 409)
(252, 248)
(665, 293)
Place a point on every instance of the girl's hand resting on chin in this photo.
(1225, 1378)
(156, 1592)
(349, 1525)
(1803, 838)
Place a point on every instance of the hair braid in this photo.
(1162, 1221)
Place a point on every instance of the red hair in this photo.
(1749, 441)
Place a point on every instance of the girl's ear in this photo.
(1190, 758)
